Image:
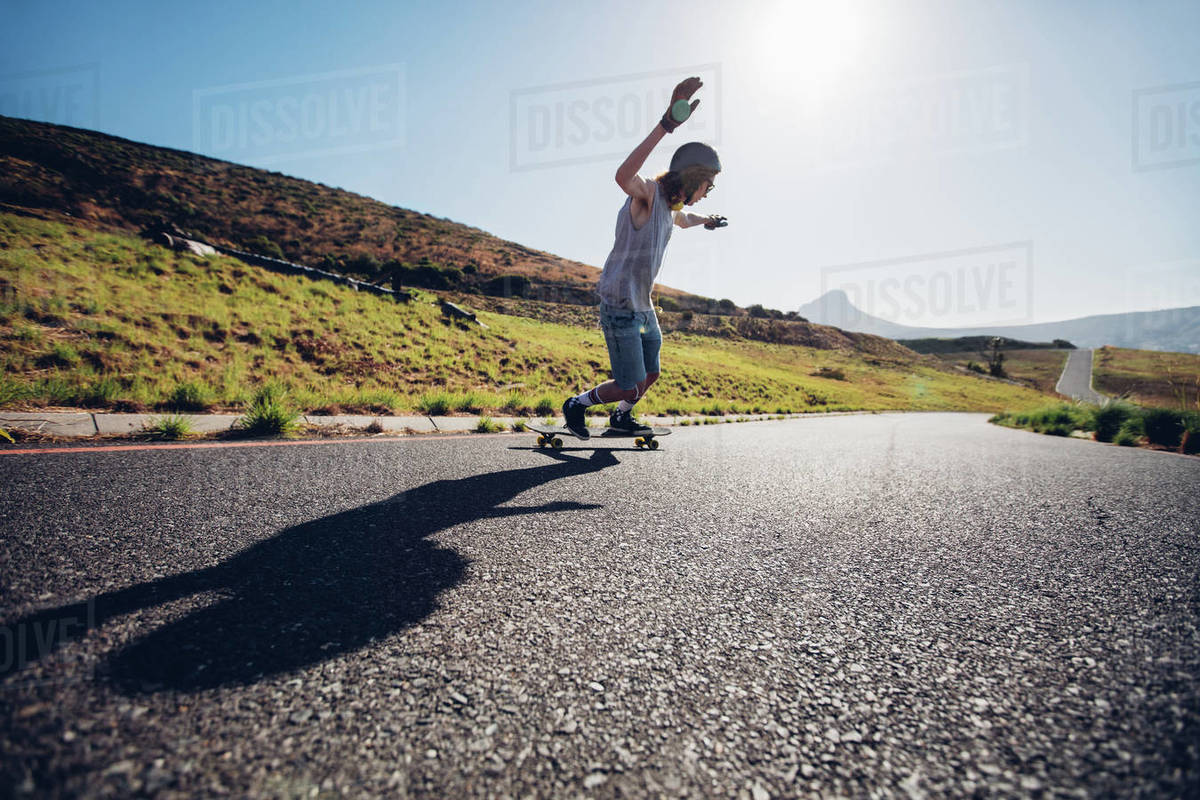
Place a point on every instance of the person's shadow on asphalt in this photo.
(311, 592)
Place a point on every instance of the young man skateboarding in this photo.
(643, 230)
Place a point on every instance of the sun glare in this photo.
(808, 44)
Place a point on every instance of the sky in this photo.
(943, 163)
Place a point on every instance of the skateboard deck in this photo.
(552, 435)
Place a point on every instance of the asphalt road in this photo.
(1076, 379)
(861, 606)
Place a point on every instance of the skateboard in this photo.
(551, 436)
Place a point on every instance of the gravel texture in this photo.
(871, 606)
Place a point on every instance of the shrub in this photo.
(269, 414)
(172, 426)
(830, 372)
(264, 247)
(547, 405)
(363, 264)
(1107, 420)
(101, 393)
(435, 404)
(470, 402)
(517, 402)
(426, 276)
(1056, 420)
(1190, 443)
(486, 425)
(1163, 426)
(190, 396)
(1130, 433)
(10, 390)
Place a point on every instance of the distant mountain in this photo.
(1173, 330)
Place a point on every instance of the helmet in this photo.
(695, 154)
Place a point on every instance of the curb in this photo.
(83, 424)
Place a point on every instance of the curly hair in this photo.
(679, 186)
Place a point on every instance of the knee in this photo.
(630, 395)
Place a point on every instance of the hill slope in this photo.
(109, 320)
(112, 183)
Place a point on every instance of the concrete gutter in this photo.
(78, 424)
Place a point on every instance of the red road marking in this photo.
(128, 448)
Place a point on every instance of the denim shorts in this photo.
(634, 340)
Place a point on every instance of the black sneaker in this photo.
(625, 422)
(574, 414)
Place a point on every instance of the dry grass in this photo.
(101, 320)
(1151, 378)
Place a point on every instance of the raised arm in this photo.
(628, 179)
(627, 174)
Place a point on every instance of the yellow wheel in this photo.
(557, 443)
(652, 444)
(541, 441)
(639, 441)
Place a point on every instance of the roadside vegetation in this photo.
(1121, 422)
(110, 321)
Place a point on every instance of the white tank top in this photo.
(636, 258)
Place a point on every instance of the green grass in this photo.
(112, 321)
(171, 426)
(270, 414)
(1058, 419)
(487, 425)
(1121, 423)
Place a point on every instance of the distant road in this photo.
(893, 605)
(1076, 380)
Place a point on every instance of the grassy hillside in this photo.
(111, 183)
(1149, 377)
(108, 320)
(1039, 368)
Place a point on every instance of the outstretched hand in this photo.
(684, 91)
(715, 221)
(679, 111)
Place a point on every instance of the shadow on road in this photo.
(314, 591)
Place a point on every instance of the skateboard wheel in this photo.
(541, 441)
(639, 441)
(557, 443)
(652, 444)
